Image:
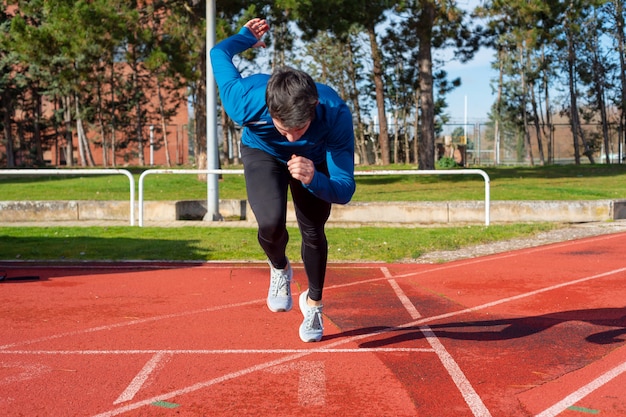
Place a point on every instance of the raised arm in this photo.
(232, 86)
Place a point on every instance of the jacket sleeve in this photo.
(339, 185)
(235, 90)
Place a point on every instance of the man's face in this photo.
(293, 133)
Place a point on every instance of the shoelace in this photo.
(279, 282)
(312, 314)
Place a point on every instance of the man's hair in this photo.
(291, 97)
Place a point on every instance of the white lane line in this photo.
(472, 399)
(582, 392)
(352, 339)
(311, 381)
(235, 305)
(296, 356)
(21, 371)
(201, 385)
(520, 296)
(140, 379)
(470, 395)
(408, 305)
(233, 375)
(130, 323)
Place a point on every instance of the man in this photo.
(299, 135)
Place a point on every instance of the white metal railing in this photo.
(81, 172)
(441, 172)
(177, 171)
(356, 173)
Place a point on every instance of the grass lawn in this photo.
(563, 182)
(559, 182)
(239, 244)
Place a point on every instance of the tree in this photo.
(615, 11)
(520, 31)
(423, 27)
(9, 90)
(339, 17)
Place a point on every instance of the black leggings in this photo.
(267, 180)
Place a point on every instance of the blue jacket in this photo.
(330, 136)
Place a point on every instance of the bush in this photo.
(446, 163)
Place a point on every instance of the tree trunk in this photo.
(529, 148)
(226, 142)
(598, 82)
(199, 146)
(548, 121)
(113, 116)
(361, 147)
(163, 125)
(396, 136)
(37, 128)
(80, 134)
(577, 134)
(69, 136)
(235, 142)
(621, 48)
(383, 136)
(416, 126)
(139, 119)
(407, 153)
(496, 132)
(7, 123)
(533, 104)
(426, 145)
(101, 125)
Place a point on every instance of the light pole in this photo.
(212, 157)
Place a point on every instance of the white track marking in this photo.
(216, 308)
(408, 305)
(233, 375)
(302, 353)
(311, 381)
(472, 399)
(26, 371)
(131, 323)
(201, 385)
(140, 379)
(582, 392)
(521, 296)
(328, 347)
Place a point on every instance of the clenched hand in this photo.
(301, 168)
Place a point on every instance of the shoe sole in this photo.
(278, 310)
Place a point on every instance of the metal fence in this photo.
(480, 172)
(80, 172)
(483, 148)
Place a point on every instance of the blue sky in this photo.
(476, 77)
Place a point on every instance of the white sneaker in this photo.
(279, 293)
(312, 328)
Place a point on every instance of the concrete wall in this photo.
(427, 213)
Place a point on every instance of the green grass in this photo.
(565, 182)
(560, 182)
(239, 244)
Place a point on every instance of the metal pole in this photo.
(151, 145)
(212, 156)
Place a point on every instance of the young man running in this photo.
(298, 135)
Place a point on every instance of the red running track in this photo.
(534, 332)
